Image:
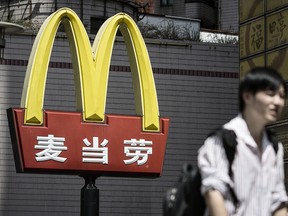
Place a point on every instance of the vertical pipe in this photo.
(55, 5)
(30, 10)
(8, 16)
(2, 42)
(81, 11)
(105, 9)
(219, 11)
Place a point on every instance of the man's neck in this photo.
(255, 126)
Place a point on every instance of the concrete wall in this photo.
(204, 12)
(228, 15)
(197, 90)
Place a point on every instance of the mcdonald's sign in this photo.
(88, 141)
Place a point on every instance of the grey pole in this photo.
(89, 197)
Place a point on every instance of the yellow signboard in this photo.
(273, 4)
(252, 38)
(279, 60)
(248, 64)
(250, 9)
(277, 29)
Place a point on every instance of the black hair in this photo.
(260, 79)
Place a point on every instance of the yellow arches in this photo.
(91, 68)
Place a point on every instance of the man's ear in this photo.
(247, 97)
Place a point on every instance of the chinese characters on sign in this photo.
(52, 148)
(277, 29)
(95, 154)
(136, 150)
(252, 38)
(257, 37)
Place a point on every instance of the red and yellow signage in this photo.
(89, 141)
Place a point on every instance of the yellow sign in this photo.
(250, 9)
(278, 59)
(271, 5)
(277, 29)
(91, 68)
(247, 65)
(252, 38)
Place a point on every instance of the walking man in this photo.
(257, 179)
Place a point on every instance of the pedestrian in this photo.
(257, 179)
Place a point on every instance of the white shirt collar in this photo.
(239, 126)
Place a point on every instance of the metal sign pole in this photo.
(89, 197)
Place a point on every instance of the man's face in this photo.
(266, 105)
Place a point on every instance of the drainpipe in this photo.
(8, 17)
(219, 8)
(81, 10)
(105, 9)
(30, 10)
(55, 5)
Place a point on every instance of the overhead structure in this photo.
(7, 28)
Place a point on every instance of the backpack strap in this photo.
(228, 138)
(229, 141)
(230, 144)
(273, 139)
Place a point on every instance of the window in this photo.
(166, 2)
(211, 3)
(96, 23)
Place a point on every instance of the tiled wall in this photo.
(197, 89)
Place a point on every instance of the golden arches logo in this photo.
(35, 142)
(91, 68)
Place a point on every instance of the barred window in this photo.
(96, 23)
(166, 2)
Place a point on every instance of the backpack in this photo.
(185, 198)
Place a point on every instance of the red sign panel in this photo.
(66, 144)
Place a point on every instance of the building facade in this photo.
(214, 14)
